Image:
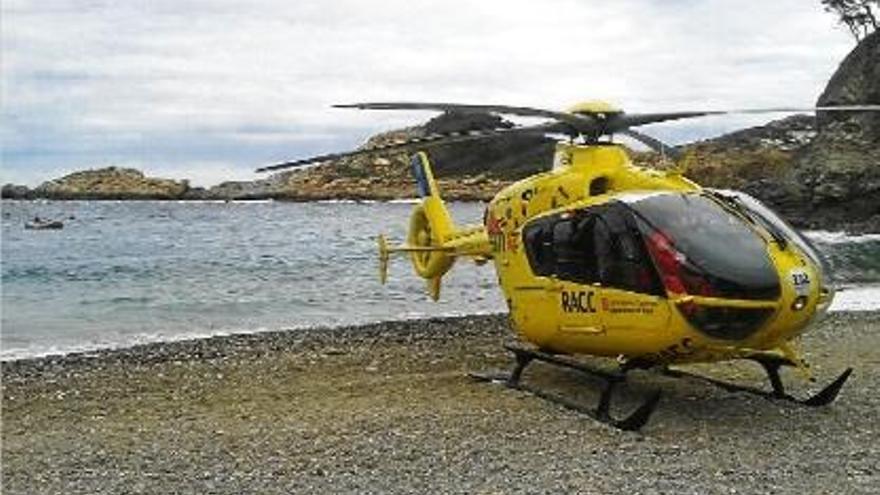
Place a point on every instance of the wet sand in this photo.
(388, 408)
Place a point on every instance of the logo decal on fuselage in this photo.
(495, 229)
(578, 301)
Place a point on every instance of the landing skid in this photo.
(771, 367)
(638, 418)
(601, 413)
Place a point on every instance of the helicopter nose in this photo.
(727, 322)
(826, 297)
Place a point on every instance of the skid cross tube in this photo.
(602, 411)
(771, 367)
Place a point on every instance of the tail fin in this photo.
(433, 241)
(430, 225)
(435, 210)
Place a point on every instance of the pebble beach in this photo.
(389, 408)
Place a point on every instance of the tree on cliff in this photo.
(860, 16)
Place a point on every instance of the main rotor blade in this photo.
(431, 140)
(834, 108)
(575, 120)
(618, 122)
(653, 143)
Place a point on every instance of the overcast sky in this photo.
(211, 89)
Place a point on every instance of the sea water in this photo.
(129, 272)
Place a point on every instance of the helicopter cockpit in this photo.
(638, 241)
(672, 244)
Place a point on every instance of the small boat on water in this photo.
(44, 224)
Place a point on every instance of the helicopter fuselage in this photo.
(598, 256)
(583, 270)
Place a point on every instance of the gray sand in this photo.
(389, 408)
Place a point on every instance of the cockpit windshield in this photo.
(773, 223)
(700, 248)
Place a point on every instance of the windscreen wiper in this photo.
(735, 203)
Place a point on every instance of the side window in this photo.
(602, 245)
(562, 247)
(621, 257)
(538, 240)
(571, 244)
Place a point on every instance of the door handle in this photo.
(582, 329)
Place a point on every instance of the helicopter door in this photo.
(576, 286)
(631, 294)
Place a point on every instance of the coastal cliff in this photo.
(837, 176)
(822, 172)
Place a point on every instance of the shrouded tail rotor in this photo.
(433, 241)
(429, 258)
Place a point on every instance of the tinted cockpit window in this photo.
(702, 249)
(600, 244)
(538, 237)
(623, 261)
(772, 222)
(561, 246)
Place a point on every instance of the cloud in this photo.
(178, 85)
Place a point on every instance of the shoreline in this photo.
(144, 340)
(262, 340)
(388, 408)
(320, 332)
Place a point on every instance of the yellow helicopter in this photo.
(600, 257)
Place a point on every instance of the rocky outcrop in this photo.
(839, 171)
(505, 158)
(256, 189)
(15, 191)
(111, 183)
(742, 159)
(820, 172)
(466, 170)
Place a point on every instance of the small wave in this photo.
(858, 298)
(119, 300)
(219, 201)
(37, 351)
(826, 237)
(346, 201)
(252, 201)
